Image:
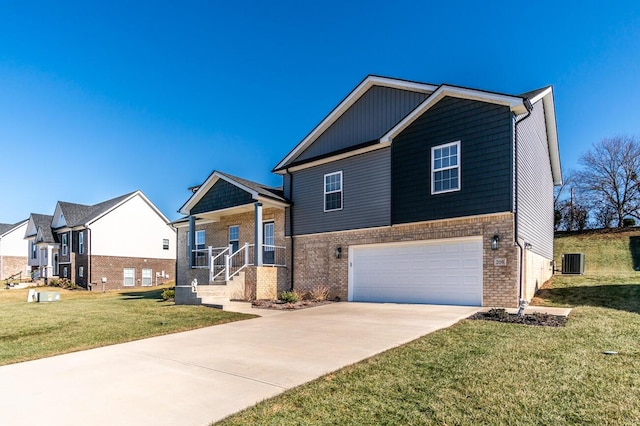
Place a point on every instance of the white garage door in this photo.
(446, 272)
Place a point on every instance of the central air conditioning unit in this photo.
(573, 263)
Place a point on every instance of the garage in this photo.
(444, 272)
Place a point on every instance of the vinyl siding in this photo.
(485, 134)
(222, 195)
(378, 110)
(366, 195)
(535, 184)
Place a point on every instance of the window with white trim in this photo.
(129, 277)
(200, 243)
(234, 237)
(34, 250)
(65, 272)
(81, 242)
(81, 271)
(445, 168)
(333, 191)
(65, 244)
(165, 244)
(147, 277)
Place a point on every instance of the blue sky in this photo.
(98, 99)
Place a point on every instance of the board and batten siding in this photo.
(485, 133)
(535, 184)
(378, 110)
(366, 195)
(222, 195)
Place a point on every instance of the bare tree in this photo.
(571, 210)
(609, 178)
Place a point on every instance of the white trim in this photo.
(80, 271)
(355, 94)
(13, 228)
(325, 193)
(552, 135)
(80, 242)
(142, 277)
(333, 158)
(64, 244)
(457, 166)
(230, 241)
(144, 198)
(124, 277)
(516, 104)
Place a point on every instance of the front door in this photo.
(269, 240)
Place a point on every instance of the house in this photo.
(119, 243)
(406, 192)
(13, 249)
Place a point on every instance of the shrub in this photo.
(289, 296)
(169, 293)
(62, 283)
(319, 293)
(629, 221)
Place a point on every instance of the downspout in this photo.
(521, 300)
(90, 282)
(291, 224)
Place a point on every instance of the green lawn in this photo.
(83, 320)
(479, 372)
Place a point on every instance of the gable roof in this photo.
(40, 227)
(5, 228)
(347, 102)
(518, 104)
(258, 191)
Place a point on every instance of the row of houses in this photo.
(122, 242)
(405, 192)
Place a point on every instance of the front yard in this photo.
(482, 372)
(83, 320)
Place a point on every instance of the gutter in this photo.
(291, 257)
(522, 248)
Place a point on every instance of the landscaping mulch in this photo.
(537, 319)
(278, 304)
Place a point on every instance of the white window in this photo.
(165, 244)
(445, 168)
(65, 272)
(65, 244)
(200, 244)
(81, 271)
(81, 242)
(34, 250)
(333, 191)
(234, 237)
(146, 277)
(129, 277)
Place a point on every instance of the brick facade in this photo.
(112, 268)
(316, 264)
(12, 265)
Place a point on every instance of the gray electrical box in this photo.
(48, 296)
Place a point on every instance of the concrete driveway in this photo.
(200, 376)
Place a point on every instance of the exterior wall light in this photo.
(338, 252)
(494, 242)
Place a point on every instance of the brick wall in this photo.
(12, 265)
(112, 267)
(316, 264)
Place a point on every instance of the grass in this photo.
(84, 320)
(482, 372)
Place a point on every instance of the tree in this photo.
(609, 179)
(571, 212)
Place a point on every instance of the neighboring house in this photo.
(13, 249)
(416, 193)
(122, 242)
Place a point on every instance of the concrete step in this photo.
(215, 302)
(205, 291)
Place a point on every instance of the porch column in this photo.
(258, 234)
(191, 238)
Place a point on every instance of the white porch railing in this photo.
(222, 261)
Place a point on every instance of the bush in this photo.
(628, 222)
(169, 293)
(62, 283)
(319, 293)
(289, 297)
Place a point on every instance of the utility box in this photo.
(573, 263)
(48, 296)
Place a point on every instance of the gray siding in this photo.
(535, 184)
(222, 195)
(485, 134)
(366, 194)
(370, 117)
